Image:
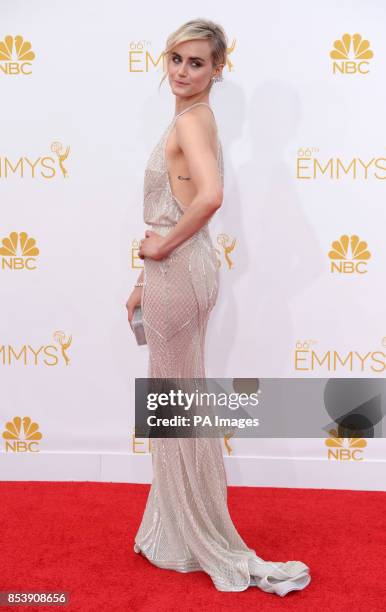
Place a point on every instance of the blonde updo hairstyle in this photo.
(197, 29)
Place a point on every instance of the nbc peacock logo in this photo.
(349, 255)
(18, 252)
(22, 435)
(344, 449)
(142, 58)
(16, 56)
(350, 55)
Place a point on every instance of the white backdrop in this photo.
(82, 83)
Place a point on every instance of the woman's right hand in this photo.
(134, 300)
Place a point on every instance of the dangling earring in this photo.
(218, 78)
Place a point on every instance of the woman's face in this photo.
(190, 67)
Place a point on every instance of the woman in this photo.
(186, 525)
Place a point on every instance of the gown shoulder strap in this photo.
(189, 107)
(214, 117)
(195, 104)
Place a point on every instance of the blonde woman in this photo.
(186, 524)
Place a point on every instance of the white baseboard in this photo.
(290, 472)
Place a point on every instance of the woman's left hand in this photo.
(152, 246)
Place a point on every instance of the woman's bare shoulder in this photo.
(197, 119)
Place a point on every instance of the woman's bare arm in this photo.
(192, 133)
(193, 137)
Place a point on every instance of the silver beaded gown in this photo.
(186, 525)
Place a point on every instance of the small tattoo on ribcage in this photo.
(184, 178)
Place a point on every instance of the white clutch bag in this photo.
(137, 326)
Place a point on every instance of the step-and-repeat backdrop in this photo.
(299, 239)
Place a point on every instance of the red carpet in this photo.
(78, 537)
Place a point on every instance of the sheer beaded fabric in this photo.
(186, 525)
